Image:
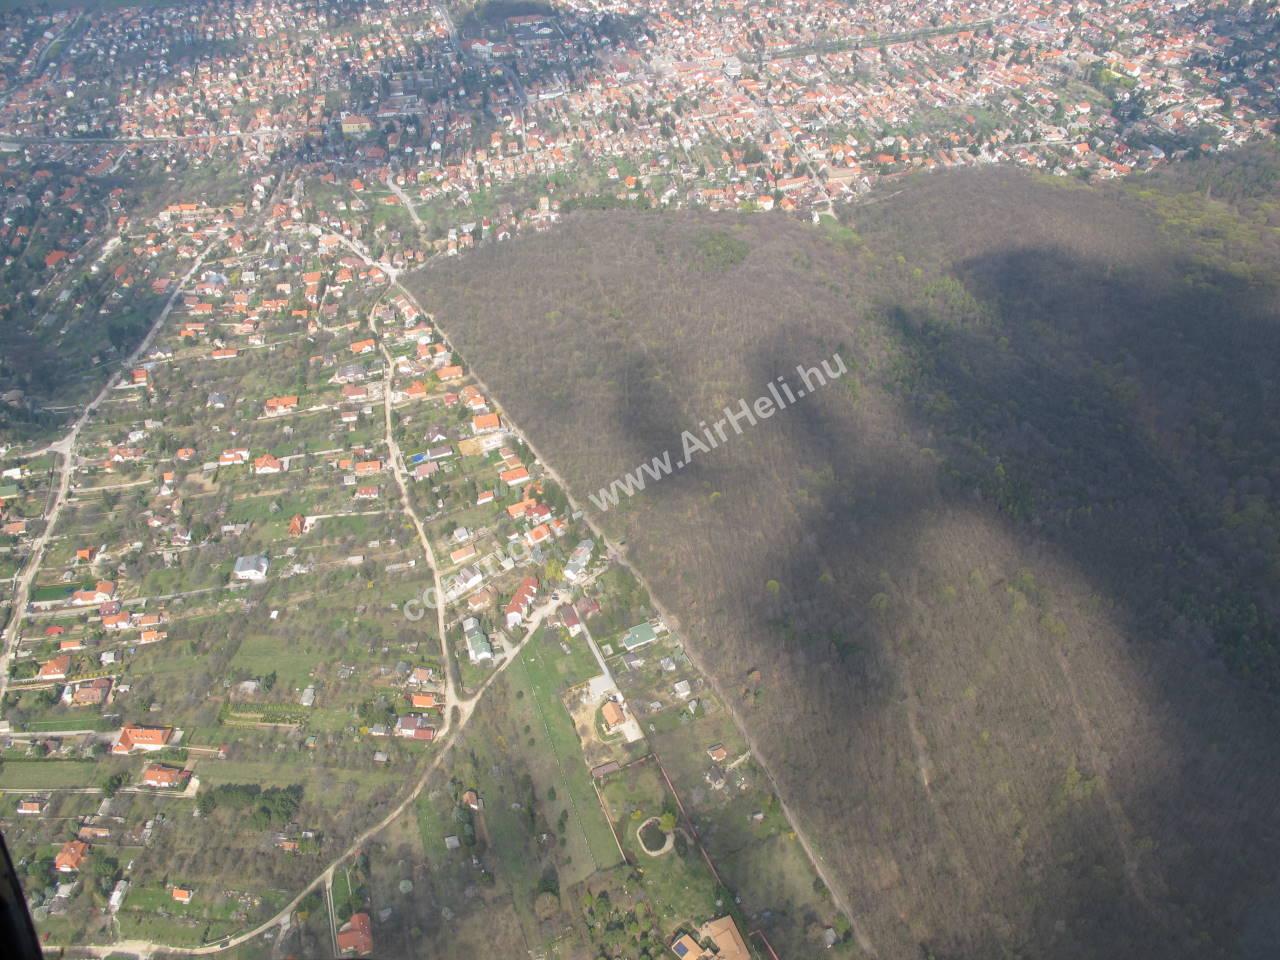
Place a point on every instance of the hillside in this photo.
(999, 606)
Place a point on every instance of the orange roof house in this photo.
(514, 478)
(267, 464)
(486, 423)
(117, 621)
(134, 737)
(159, 775)
(355, 937)
(71, 856)
(613, 715)
(724, 934)
(102, 591)
(55, 669)
(278, 405)
(181, 894)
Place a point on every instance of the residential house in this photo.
(478, 647)
(613, 715)
(92, 694)
(55, 669)
(267, 464)
(486, 423)
(165, 777)
(355, 937)
(639, 635)
(578, 561)
(136, 737)
(521, 602)
(251, 568)
(413, 727)
(71, 856)
(569, 619)
(103, 591)
(278, 406)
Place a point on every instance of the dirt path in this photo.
(819, 864)
(396, 460)
(66, 447)
(1121, 826)
(466, 708)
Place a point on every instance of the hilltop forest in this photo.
(998, 608)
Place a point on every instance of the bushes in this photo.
(273, 806)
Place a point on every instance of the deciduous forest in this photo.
(998, 608)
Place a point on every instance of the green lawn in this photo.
(55, 591)
(85, 721)
(432, 823)
(682, 887)
(559, 758)
(550, 669)
(261, 655)
(178, 931)
(206, 904)
(42, 774)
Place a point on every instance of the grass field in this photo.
(54, 591)
(205, 904)
(431, 823)
(179, 931)
(680, 885)
(563, 763)
(42, 774)
(261, 655)
(550, 669)
(72, 722)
